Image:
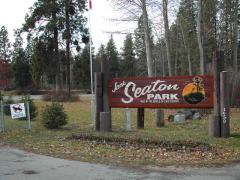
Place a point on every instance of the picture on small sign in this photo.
(17, 110)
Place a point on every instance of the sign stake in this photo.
(225, 109)
(128, 119)
(2, 124)
(28, 115)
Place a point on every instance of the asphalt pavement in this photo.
(37, 97)
(20, 165)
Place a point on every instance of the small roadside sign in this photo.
(18, 110)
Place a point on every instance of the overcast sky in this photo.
(12, 13)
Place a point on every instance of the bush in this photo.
(7, 103)
(53, 116)
(61, 96)
(32, 106)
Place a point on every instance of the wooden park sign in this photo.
(169, 92)
(162, 92)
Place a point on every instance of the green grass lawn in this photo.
(123, 147)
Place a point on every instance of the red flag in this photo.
(90, 4)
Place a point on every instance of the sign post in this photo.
(28, 115)
(2, 124)
(140, 118)
(225, 105)
(99, 99)
(215, 119)
(128, 119)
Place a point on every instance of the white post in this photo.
(28, 116)
(2, 123)
(91, 69)
(128, 119)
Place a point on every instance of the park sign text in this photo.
(162, 92)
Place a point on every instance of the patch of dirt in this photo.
(144, 143)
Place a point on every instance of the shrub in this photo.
(53, 116)
(7, 103)
(32, 106)
(61, 96)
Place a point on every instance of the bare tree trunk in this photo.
(68, 40)
(187, 49)
(163, 60)
(235, 31)
(147, 39)
(176, 56)
(56, 50)
(200, 37)
(167, 36)
(189, 61)
(176, 62)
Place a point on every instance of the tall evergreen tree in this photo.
(189, 51)
(227, 21)
(112, 56)
(48, 11)
(100, 56)
(20, 64)
(5, 45)
(37, 61)
(74, 28)
(81, 70)
(128, 64)
(140, 49)
(65, 22)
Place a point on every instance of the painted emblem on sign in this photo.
(194, 93)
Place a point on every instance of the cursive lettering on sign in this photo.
(118, 86)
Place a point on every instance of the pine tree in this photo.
(37, 61)
(112, 57)
(188, 46)
(5, 45)
(81, 69)
(140, 49)
(20, 64)
(128, 64)
(65, 22)
(100, 56)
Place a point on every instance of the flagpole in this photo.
(91, 65)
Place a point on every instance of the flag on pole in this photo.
(90, 4)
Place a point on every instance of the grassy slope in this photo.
(55, 142)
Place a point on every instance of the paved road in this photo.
(16, 98)
(20, 165)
